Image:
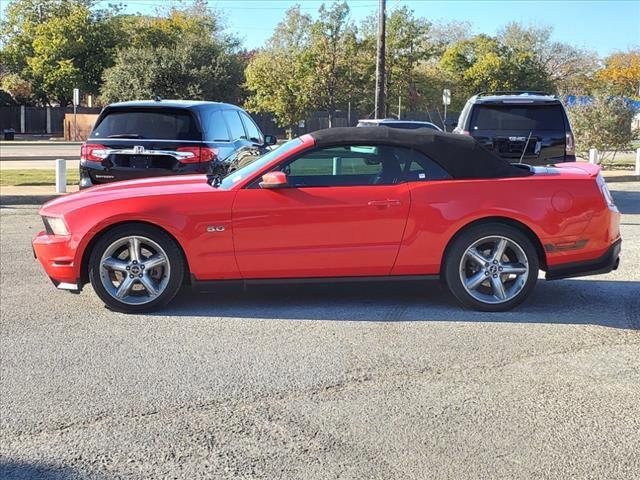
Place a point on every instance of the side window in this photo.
(235, 124)
(350, 165)
(253, 132)
(215, 128)
(421, 168)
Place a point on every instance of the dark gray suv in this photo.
(527, 127)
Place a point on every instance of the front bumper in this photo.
(604, 264)
(57, 256)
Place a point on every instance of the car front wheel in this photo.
(491, 267)
(136, 268)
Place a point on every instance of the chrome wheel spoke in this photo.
(115, 264)
(477, 257)
(499, 249)
(474, 282)
(125, 287)
(134, 249)
(149, 285)
(515, 268)
(498, 288)
(154, 261)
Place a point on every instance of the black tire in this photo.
(464, 240)
(176, 264)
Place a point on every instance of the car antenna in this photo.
(525, 146)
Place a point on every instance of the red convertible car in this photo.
(335, 205)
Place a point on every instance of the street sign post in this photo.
(76, 102)
(446, 100)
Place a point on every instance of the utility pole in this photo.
(379, 110)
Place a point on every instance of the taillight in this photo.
(570, 144)
(466, 132)
(606, 194)
(93, 152)
(197, 154)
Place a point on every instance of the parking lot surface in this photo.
(360, 381)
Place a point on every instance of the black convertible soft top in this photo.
(461, 156)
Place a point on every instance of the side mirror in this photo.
(270, 140)
(274, 180)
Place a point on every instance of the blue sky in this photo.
(603, 26)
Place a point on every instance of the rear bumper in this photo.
(57, 257)
(94, 173)
(604, 264)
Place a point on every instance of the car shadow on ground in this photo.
(581, 302)
(28, 471)
(628, 202)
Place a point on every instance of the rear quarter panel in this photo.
(555, 209)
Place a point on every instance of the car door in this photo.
(343, 214)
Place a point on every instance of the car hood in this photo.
(147, 187)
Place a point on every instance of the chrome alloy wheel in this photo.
(134, 270)
(494, 269)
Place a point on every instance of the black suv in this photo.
(527, 127)
(165, 137)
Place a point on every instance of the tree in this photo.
(570, 69)
(184, 55)
(604, 123)
(621, 74)
(277, 76)
(407, 45)
(483, 63)
(18, 89)
(328, 58)
(443, 34)
(57, 45)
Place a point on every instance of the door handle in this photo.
(384, 203)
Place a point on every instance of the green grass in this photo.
(19, 178)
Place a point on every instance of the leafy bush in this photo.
(604, 123)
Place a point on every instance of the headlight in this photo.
(55, 226)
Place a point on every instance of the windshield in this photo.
(253, 167)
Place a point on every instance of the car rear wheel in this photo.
(491, 267)
(136, 268)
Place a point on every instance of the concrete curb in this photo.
(622, 178)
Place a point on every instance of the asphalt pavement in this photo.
(391, 381)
